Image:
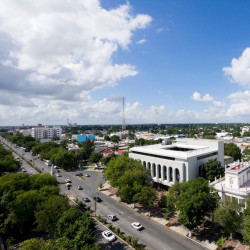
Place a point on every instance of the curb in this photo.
(158, 222)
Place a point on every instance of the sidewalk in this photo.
(173, 222)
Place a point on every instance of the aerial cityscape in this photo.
(124, 125)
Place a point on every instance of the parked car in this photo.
(108, 235)
(68, 181)
(79, 174)
(136, 225)
(97, 198)
(55, 167)
(86, 199)
(112, 217)
(59, 175)
(87, 175)
(68, 184)
(79, 187)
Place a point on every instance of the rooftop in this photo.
(182, 149)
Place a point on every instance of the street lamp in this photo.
(94, 197)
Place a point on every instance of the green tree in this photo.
(106, 138)
(49, 212)
(213, 169)
(115, 138)
(146, 197)
(77, 227)
(87, 147)
(95, 157)
(33, 244)
(246, 150)
(230, 149)
(246, 224)
(228, 214)
(196, 200)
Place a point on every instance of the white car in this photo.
(112, 217)
(68, 181)
(59, 175)
(108, 235)
(87, 175)
(136, 225)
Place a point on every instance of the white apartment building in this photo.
(46, 132)
(236, 182)
(245, 129)
(183, 160)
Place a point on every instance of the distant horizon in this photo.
(130, 124)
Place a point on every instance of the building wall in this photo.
(158, 166)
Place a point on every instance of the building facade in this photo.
(82, 138)
(236, 183)
(183, 160)
(47, 132)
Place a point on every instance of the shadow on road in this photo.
(104, 244)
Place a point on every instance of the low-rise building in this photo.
(236, 183)
(183, 160)
(82, 138)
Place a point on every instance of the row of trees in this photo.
(195, 199)
(131, 179)
(31, 204)
(7, 161)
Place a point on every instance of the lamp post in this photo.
(94, 197)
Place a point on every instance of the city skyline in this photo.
(174, 62)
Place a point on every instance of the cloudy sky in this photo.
(173, 61)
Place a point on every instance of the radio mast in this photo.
(123, 116)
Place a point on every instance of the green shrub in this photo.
(167, 216)
(221, 241)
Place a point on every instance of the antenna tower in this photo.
(123, 116)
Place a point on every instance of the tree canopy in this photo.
(213, 169)
(228, 214)
(130, 177)
(246, 224)
(233, 150)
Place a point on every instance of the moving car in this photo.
(87, 175)
(68, 184)
(79, 187)
(59, 175)
(97, 198)
(68, 181)
(112, 217)
(86, 199)
(136, 225)
(108, 235)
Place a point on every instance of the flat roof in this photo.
(165, 150)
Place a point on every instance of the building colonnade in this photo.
(165, 173)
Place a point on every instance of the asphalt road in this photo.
(154, 236)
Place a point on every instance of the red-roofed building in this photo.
(106, 152)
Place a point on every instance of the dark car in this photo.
(86, 199)
(79, 174)
(97, 198)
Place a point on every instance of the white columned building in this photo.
(183, 160)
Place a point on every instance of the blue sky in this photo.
(171, 60)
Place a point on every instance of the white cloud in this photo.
(239, 71)
(162, 29)
(60, 45)
(141, 41)
(197, 97)
(240, 104)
